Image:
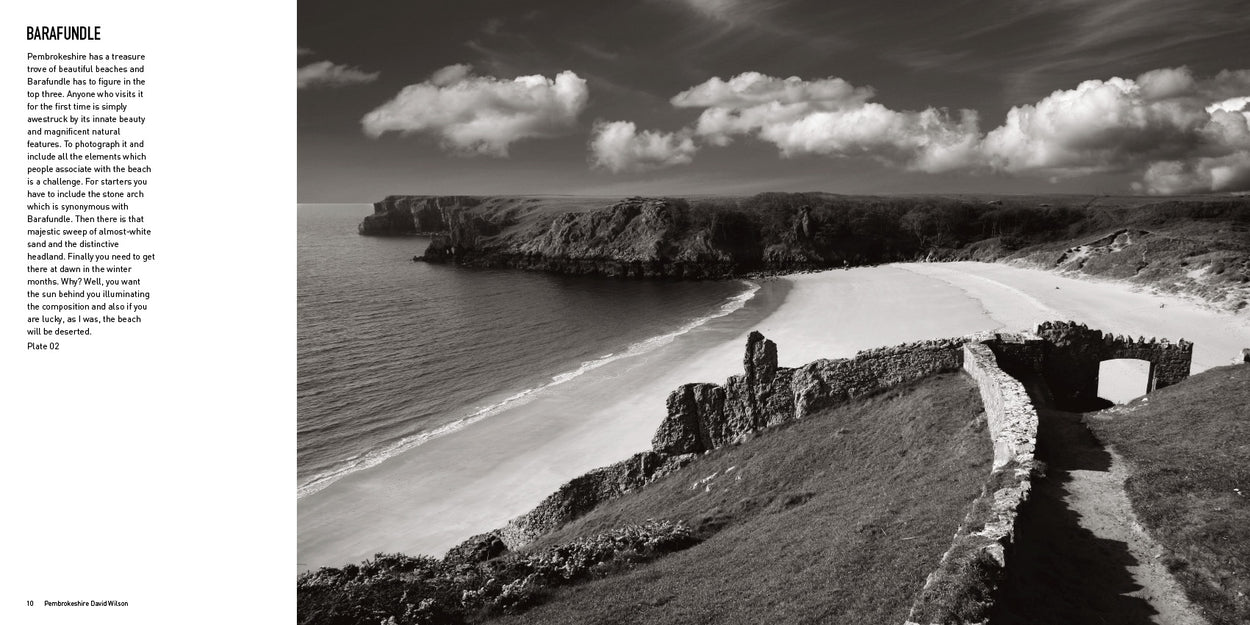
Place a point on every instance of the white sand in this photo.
(430, 498)
(1021, 298)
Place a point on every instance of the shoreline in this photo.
(480, 477)
(517, 399)
(476, 478)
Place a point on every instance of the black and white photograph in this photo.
(772, 311)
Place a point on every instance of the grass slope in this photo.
(835, 518)
(1188, 447)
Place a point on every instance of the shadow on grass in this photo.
(1060, 572)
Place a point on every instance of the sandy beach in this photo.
(430, 498)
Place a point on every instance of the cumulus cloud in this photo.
(451, 75)
(618, 146)
(1232, 105)
(1226, 173)
(830, 117)
(1178, 132)
(1101, 125)
(482, 115)
(1181, 133)
(752, 88)
(329, 75)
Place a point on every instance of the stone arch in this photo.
(1073, 353)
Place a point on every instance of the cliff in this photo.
(1199, 246)
(635, 237)
(400, 215)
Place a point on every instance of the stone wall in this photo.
(1073, 352)
(959, 591)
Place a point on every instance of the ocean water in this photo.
(392, 353)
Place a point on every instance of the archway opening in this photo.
(1123, 379)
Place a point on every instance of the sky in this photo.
(736, 97)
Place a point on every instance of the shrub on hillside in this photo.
(394, 589)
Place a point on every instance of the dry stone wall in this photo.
(959, 591)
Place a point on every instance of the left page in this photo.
(149, 312)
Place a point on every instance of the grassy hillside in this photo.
(1188, 448)
(835, 518)
(1200, 248)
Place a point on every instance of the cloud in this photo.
(733, 13)
(830, 117)
(1101, 37)
(330, 75)
(1232, 105)
(451, 75)
(1179, 133)
(482, 115)
(724, 10)
(618, 147)
(749, 88)
(1226, 173)
(1100, 126)
(303, 52)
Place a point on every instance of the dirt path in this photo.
(1081, 556)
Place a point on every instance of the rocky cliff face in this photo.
(1193, 246)
(634, 238)
(399, 215)
(643, 237)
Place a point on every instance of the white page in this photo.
(152, 463)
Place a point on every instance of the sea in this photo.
(394, 353)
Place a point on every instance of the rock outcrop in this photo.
(581, 495)
(399, 215)
(702, 417)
